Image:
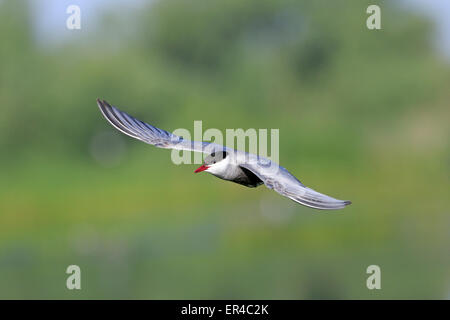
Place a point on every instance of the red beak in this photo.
(201, 168)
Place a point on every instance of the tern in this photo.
(225, 163)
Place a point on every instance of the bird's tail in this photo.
(317, 200)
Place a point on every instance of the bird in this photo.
(241, 167)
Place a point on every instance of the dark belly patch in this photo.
(248, 178)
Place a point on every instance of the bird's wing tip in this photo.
(100, 103)
(103, 104)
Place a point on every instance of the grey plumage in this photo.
(225, 163)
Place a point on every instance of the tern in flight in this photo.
(225, 163)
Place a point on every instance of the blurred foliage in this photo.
(362, 115)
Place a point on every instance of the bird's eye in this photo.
(213, 154)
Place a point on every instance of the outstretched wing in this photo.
(287, 185)
(150, 134)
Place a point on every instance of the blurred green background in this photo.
(363, 115)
